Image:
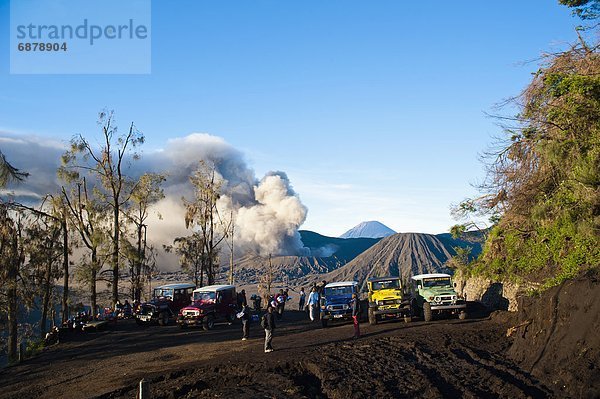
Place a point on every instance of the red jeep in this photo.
(211, 303)
(165, 305)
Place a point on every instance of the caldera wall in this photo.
(557, 337)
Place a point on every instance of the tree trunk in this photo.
(115, 256)
(11, 296)
(46, 299)
(93, 280)
(12, 322)
(140, 258)
(65, 297)
(201, 273)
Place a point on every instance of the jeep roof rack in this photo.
(375, 279)
(217, 287)
(430, 275)
(341, 284)
(176, 286)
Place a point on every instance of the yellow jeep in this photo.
(388, 300)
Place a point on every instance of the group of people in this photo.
(126, 310)
(276, 307)
(314, 298)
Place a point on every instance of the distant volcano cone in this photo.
(404, 254)
(371, 229)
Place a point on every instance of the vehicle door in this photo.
(178, 298)
(228, 302)
(187, 293)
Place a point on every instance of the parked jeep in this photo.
(388, 300)
(166, 302)
(210, 304)
(435, 294)
(335, 301)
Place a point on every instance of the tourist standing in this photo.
(313, 304)
(268, 323)
(355, 303)
(280, 300)
(246, 315)
(302, 299)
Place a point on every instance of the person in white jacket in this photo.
(313, 304)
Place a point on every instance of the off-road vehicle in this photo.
(211, 303)
(336, 301)
(388, 300)
(435, 294)
(166, 302)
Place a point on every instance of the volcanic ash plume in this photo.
(270, 225)
(267, 213)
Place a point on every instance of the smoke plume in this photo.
(267, 211)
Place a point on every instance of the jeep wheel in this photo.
(427, 316)
(414, 308)
(208, 323)
(231, 318)
(372, 317)
(462, 315)
(163, 318)
(324, 323)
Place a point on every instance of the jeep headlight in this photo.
(379, 303)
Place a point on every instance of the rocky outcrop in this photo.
(501, 295)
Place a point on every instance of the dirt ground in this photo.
(446, 358)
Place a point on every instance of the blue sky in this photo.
(374, 109)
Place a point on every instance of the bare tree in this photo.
(11, 258)
(87, 216)
(192, 253)
(147, 192)
(108, 164)
(11, 255)
(202, 214)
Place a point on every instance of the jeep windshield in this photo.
(341, 290)
(386, 284)
(163, 292)
(437, 282)
(205, 296)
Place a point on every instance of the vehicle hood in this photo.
(156, 302)
(200, 305)
(438, 291)
(390, 293)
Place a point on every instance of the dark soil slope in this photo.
(250, 268)
(343, 249)
(558, 337)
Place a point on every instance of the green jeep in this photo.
(434, 293)
(388, 300)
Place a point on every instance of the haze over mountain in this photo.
(338, 259)
(326, 254)
(403, 254)
(369, 229)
